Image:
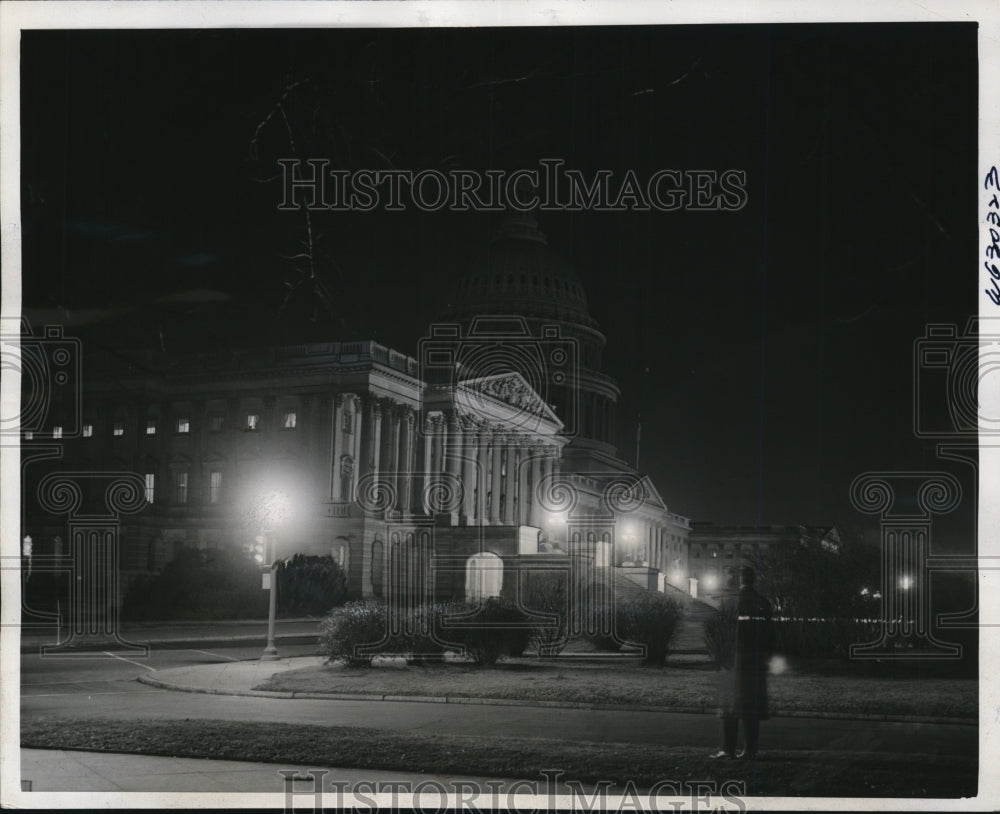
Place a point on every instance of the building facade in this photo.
(433, 475)
(718, 551)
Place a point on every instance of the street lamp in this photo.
(272, 510)
(26, 549)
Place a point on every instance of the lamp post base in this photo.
(270, 654)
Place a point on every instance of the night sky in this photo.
(768, 351)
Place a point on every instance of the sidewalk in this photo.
(64, 770)
(172, 635)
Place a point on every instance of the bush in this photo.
(493, 630)
(599, 619)
(720, 636)
(212, 584)
(310, 586)
(548, 593)
(652, 622)
(355, 633)
(822, 638)
(423, 639)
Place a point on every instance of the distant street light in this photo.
(906, 583)
(26, 550)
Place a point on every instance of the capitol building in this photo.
(438, 473)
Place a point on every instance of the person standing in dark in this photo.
(743, 691)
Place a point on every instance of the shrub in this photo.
(354, 633)
(213, 584)
(652, 622)
(424, 641)
(720, 636)
(493, 630)
(548, 593)
(822, 638)
(310, 585)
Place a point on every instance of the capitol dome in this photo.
(519, 274)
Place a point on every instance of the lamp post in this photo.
(270, 650)
(273, 508)
(26, 550)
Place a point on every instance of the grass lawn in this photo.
(784, 773)
(685, 685)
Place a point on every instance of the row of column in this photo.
(599, 417)
(658, 547)
(373, 436)
(498, 468)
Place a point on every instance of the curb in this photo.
(516, 702)
(178, 644)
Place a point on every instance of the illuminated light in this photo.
(778, 665)
(711, 582)
(906, 583)
(864, 592)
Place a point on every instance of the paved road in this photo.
(105, 687)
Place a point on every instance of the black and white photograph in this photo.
(418, 405)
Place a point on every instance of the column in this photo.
(395, 455)
(514, 480)
(406, 443)
(470, 449)
(359, 426)
(336, 446)
(371, 428)
(524, 478)
(536, 477)
(428, 453)
(495, 485)
(435, 445)
(385, 443)
(482, 455)
(453, 452)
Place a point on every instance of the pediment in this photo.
(511, 391)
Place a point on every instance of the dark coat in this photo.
(743, 689)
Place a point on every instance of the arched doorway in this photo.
(483, 577)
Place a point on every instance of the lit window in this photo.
(150, 486)
(253, 420)
(29, 435)
(88, 430)
(182, 487)
(151, 427)
(215, 488)
(288, 422)
(215, 423)
(119, 428)
(183, 425)
(57, 432)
